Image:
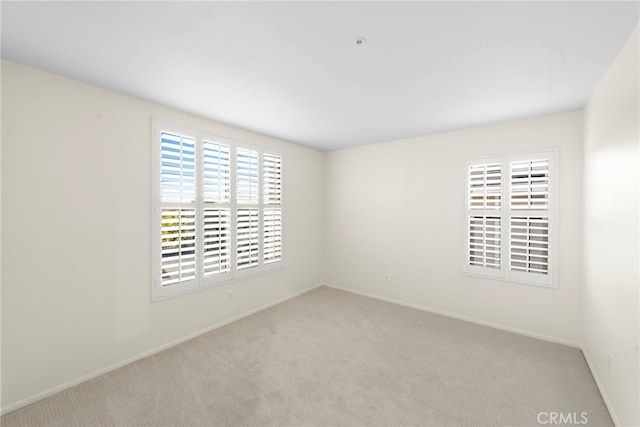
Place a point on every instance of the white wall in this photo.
(76, 233)
(611, 276)
(397, 208)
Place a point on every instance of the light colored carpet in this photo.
(333, 358)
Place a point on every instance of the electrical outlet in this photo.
(610, 363)
(386, 279)
(230, 295)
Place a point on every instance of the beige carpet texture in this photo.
(332, 358)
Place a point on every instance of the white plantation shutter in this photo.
(272, 235)
(248, 189)
(485, 186)
(178, 228)
(177, 175)
(217, 210)
(272, 211)
(217, 241)
(248, 238)
(529, 224)
(509, 218)
(529, 244)
(177, 216)
(529, 187)
(272, 172)
(483, 221)
(216, 175)
(484, 241)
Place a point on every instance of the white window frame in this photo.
(505, 213)
(159, 292)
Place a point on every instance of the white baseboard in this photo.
(84, 378)
(599, 384)
(459, 317)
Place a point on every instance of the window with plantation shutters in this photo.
(509, 211)
(217, 210)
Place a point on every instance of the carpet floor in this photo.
(332, 358)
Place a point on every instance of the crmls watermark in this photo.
(562, 418)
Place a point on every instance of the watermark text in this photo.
(562, 418)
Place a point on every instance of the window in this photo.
(509, 218)
(217, 210)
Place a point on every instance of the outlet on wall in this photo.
(386, 279)
(230, 295)
(610, 360)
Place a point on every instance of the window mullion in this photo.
(260, 211)
(233, 204)
(199, 152)
(505, 207)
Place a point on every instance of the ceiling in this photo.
(293, 70)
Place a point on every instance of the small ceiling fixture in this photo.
(360, 41)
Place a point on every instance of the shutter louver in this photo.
(177, 171)
(485, 187)
(217, 241)
(530, 185)
(247, 238)
(529, 244)
(272, 179)
(178, 253)
(216, 179)
(484, 241)
(272, 235)
(248, 190)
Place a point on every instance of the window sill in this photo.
(241, 275)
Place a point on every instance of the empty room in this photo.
(320, 213)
